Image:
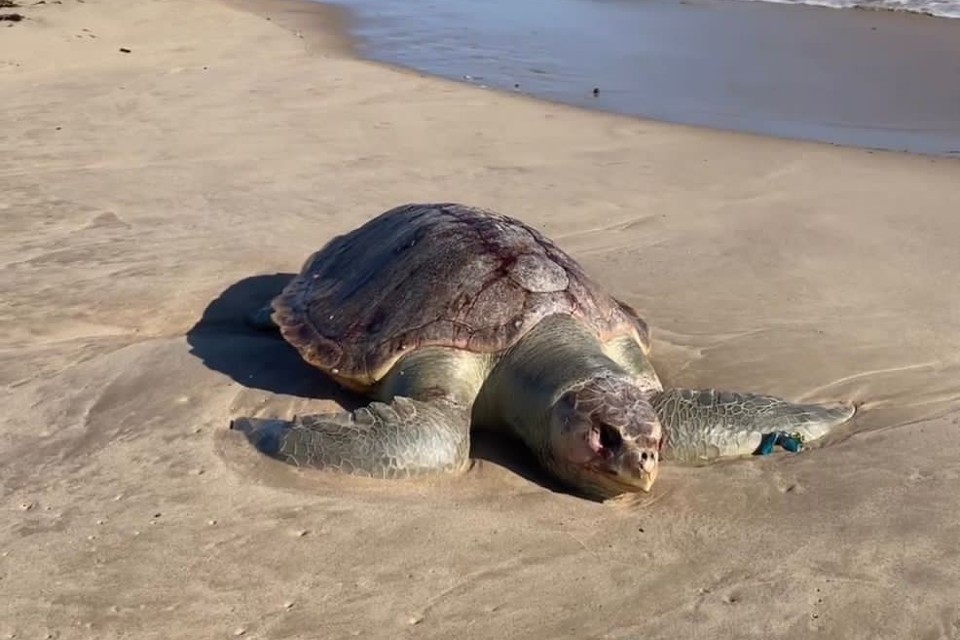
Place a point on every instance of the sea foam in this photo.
(939, 8)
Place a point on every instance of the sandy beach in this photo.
(151, 197)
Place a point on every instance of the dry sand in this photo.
(149, 198)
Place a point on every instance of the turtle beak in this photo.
(645, 465)
(634, 469)
(646, 483)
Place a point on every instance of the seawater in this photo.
(865, 78)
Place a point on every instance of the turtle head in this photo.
(605, 438)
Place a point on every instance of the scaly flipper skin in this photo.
(402, 439)
(702, 425)
(261, 320)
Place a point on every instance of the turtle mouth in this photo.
(642, 482)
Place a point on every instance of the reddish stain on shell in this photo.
(436, 274)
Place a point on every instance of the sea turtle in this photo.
(448, 316)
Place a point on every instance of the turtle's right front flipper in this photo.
(402, 439)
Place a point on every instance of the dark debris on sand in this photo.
(10, 17)
(17, 17)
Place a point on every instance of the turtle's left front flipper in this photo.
(703, 425)
(400, 439)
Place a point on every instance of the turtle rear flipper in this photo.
(706, 424)
(402, 439)
(262, 319)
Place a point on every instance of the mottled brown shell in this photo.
(436, 274)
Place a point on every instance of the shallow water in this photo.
(873, 79)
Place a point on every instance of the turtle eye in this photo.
(610, 437)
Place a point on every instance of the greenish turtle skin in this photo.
(449, 317)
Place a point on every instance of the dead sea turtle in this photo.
(448, 316)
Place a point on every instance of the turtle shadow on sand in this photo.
(257, 359)
(226, 342)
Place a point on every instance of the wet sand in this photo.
(879, 80)
(150, 198)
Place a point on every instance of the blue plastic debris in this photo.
(792, 442)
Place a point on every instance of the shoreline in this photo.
(324, 26)
(306, 19)
(885, 122)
